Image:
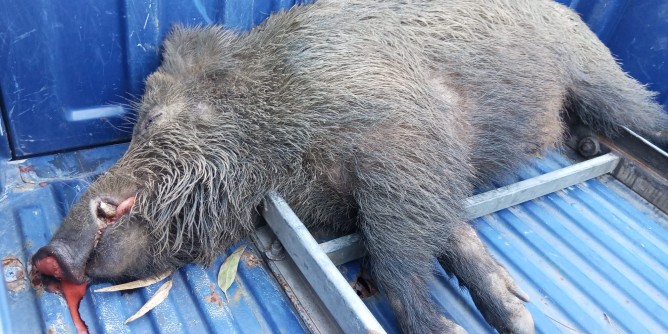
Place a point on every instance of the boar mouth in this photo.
(106, 211)
(60, 260)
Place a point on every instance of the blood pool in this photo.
(73, 292)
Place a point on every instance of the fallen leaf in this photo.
(135, 284)
(228, 270)
(155, 300)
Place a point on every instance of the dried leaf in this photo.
(155, 300)
(135, 284)
(229, 270)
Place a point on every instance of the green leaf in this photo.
(228, 271)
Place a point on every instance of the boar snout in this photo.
(68, 253)
(57, 259)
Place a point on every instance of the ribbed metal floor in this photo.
(31, 212)
(593, 258)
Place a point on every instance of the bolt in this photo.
(276, 251)
(12, 274)
(589, 147)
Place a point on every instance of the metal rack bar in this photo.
(331, 287)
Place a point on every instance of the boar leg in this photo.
(402, 241)
(401, 268)
(495, 294)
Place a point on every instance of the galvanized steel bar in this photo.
(332, 288)
(308, 305)
(344, 249)
(516, 193)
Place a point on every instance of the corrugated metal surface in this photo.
(592, 257)
(42, 190)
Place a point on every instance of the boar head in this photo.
(166, 201)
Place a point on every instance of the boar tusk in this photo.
(107, 209)
(155, 300)
(135, 284)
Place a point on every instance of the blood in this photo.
(73, 292)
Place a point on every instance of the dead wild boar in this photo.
(375, 116)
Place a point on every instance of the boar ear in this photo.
(194, 50)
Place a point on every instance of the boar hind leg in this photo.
(495, 294)
(400, 268)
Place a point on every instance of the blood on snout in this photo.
(73, 292)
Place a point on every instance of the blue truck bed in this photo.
(592, 257)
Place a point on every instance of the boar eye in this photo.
(150, 120)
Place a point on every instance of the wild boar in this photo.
(375, 116)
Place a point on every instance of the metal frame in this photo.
(311, 309)
(317, 263)
(339, 298)
(644, 167)
(516, 193)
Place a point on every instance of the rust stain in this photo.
(297, 304)
(250, 259)
(14, 273)
(43, 184)
(214, 297)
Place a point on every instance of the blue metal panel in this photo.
(593, 259)
(41, 191)
(68, 67)
(641, 43)
(637, 34)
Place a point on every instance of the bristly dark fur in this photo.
(376, 116)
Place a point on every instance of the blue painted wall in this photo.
(67, 67)
(637, 34)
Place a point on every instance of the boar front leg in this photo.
(400, 266)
